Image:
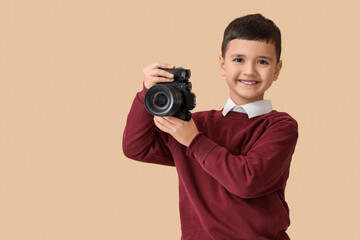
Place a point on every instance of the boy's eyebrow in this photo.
(237, 55)
(242, 55)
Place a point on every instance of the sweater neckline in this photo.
(239, 115)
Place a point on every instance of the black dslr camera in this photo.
(173, 98)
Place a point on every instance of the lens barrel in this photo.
(163, 100)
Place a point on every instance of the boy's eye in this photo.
(238, 60)
(263, 62)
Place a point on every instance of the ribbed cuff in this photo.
(200, 147)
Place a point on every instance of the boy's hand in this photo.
(153, 74)
(183, 131)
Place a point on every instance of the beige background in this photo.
(69, 70)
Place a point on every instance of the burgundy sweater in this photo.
(232, 176)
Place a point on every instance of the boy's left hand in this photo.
(183, 131)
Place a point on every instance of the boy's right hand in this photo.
(153, 74)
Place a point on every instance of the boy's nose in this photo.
(249, 69)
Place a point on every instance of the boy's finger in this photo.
(157, 65)
(172, 120)
(162, 79)
(165, 120)
(162, 65)
(161, 73)
(162, 124)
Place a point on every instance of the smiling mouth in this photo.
(248, 82)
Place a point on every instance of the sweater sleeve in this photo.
(263, 170)
(142, 141)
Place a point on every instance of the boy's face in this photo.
(249, 68)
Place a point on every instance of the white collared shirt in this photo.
(253, 109)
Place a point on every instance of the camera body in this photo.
(172, 98)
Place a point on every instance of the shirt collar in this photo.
(253, 109)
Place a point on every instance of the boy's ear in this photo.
(277, 70)
(222, 62)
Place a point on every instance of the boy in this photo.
(232, 164)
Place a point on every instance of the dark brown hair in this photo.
(253, 27)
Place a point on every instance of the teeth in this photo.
(248, 83)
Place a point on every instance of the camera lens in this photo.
(163, 100)
(160, 100)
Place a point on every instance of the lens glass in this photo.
(160, 100)
(163, 100)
